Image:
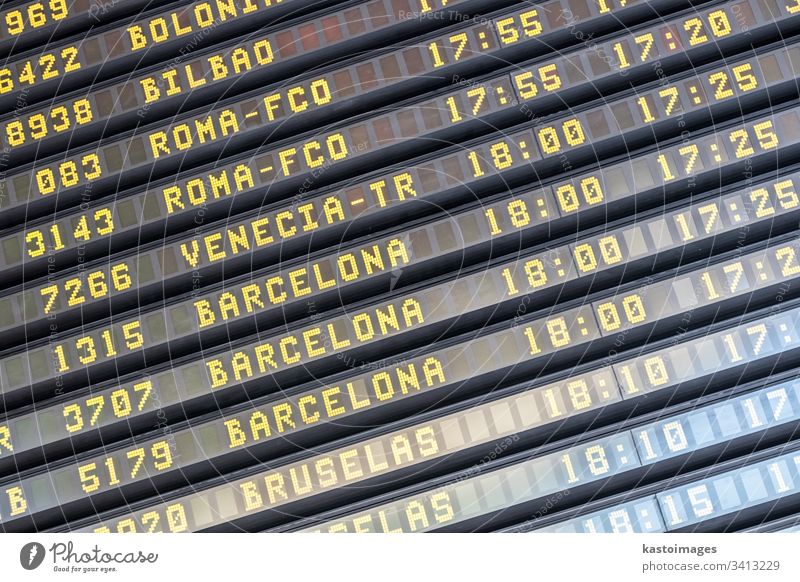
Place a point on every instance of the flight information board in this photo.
(399, 265)
(484, 422)
(506, 282)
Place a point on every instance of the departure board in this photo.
(399, 266)
(484, 422)
(617, 314)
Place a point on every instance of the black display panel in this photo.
(71, 363)
(325, 345)
(735, 213)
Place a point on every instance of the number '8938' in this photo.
(39, 125)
